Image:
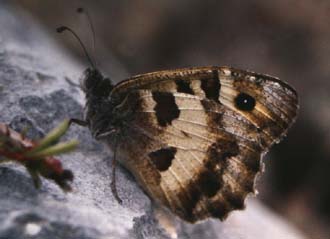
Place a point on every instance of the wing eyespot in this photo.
(245, 102)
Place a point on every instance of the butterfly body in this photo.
(194, 137)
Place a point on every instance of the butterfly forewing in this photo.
(195, 137)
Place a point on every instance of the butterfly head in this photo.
(94, 83)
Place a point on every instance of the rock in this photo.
(35, 93)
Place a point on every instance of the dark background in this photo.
(289, 39)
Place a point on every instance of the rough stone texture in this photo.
(34, 93)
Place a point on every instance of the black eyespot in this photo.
(245, 102)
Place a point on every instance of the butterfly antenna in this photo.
(65, 28)
(89, 19)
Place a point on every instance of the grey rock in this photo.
(35, 93)
(20, 123)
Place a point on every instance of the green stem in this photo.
(50, 138)
(55, 150)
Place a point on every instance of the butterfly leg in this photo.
(80, 122)
(113, 182)
(114, 161)
(102, 136)
(113, 179)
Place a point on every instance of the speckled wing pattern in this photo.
(194, 137)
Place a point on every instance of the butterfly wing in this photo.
(276, 101)
(190, 143)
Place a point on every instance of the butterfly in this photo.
(193, 138)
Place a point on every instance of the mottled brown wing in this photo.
(276, 102)
(193, 145)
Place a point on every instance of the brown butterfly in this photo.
(193, 138)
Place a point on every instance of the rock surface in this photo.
(35, 93)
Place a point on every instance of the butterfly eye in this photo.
(245, 102)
